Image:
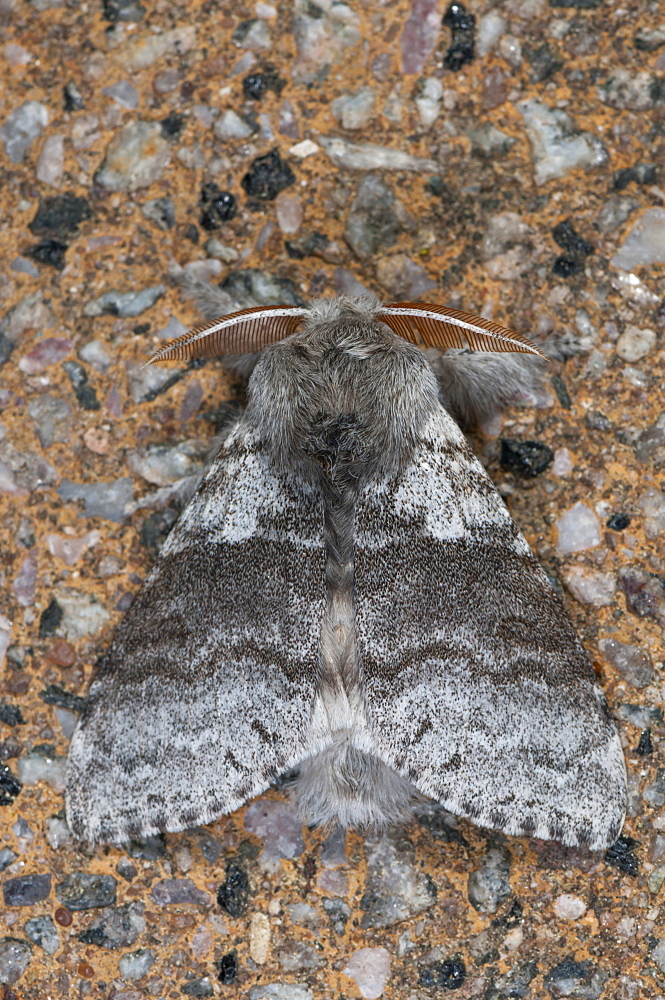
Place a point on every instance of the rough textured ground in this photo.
(521, 178)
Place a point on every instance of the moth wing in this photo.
(206, 693)
(477, 688)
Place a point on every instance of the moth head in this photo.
(250, 330)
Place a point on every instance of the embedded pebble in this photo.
(231, 126)
(645, 243)
(25, 581)
(419, 35)
(557, 147)
(650, 445)
(294, 956)
(94, 354)
(15, 955)
(491, 27)
(289, 212)
(58, 833)
(563, 462)
(124, 94)
(369, 968)
(639, 91)
(161, 211)
(324, 36)
(634, 344)
(83, 891)
(26, 890)
(590, 586)
(116, 303)
(42, 932)
(136, 157)
(280, 991)
(615, 211)
(372, 223)
(579, 529)
(52, 416)
(117, 927)
(395, 889)
(107, 500)
(633, 663)
(51, 160)
(141, 52)
(48, 767)
(488, 140)
(82, 614)
(20, 129)
(69, 549)
(488, 885)
(259, 938)
(136, 964)
(576, 979)
(652, 505)
(658, 954)
(5, 624)
(47, 352)
(644, 592)
(178, 891)
(404, 279)
(280, 829)
(569, 907)
(355, 111)
(368, 156)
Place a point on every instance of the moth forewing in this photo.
(347, 594)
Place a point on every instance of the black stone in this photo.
(306, 245)
(116, 927)
(26, 890)
(6, 348)
(227, 968)
(622, 856)
(642, 173)
(11, 715)
(448, 975)
(571, 242)
(513, 918)
(51, 252)
(10, 786)
(577, 4)
(561, 391)
(50, 618)
(645, 745)
(617, 522)
(60, 216)
(528, 458)
(566, 267)
(172, 125)
(267, 176)
(198, 988)
(566, 970)
(83, 891)
(55, 695)
(463, 27)
(156, 529)
(259, 83)
(71, 97)
(233, 893)
(84, 392)
(217, 206)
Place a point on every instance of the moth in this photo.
(347, 595)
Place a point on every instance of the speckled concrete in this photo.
(123, 113)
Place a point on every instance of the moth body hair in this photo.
(346, 595)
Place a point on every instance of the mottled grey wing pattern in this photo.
(476, 686)
(206, 693)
